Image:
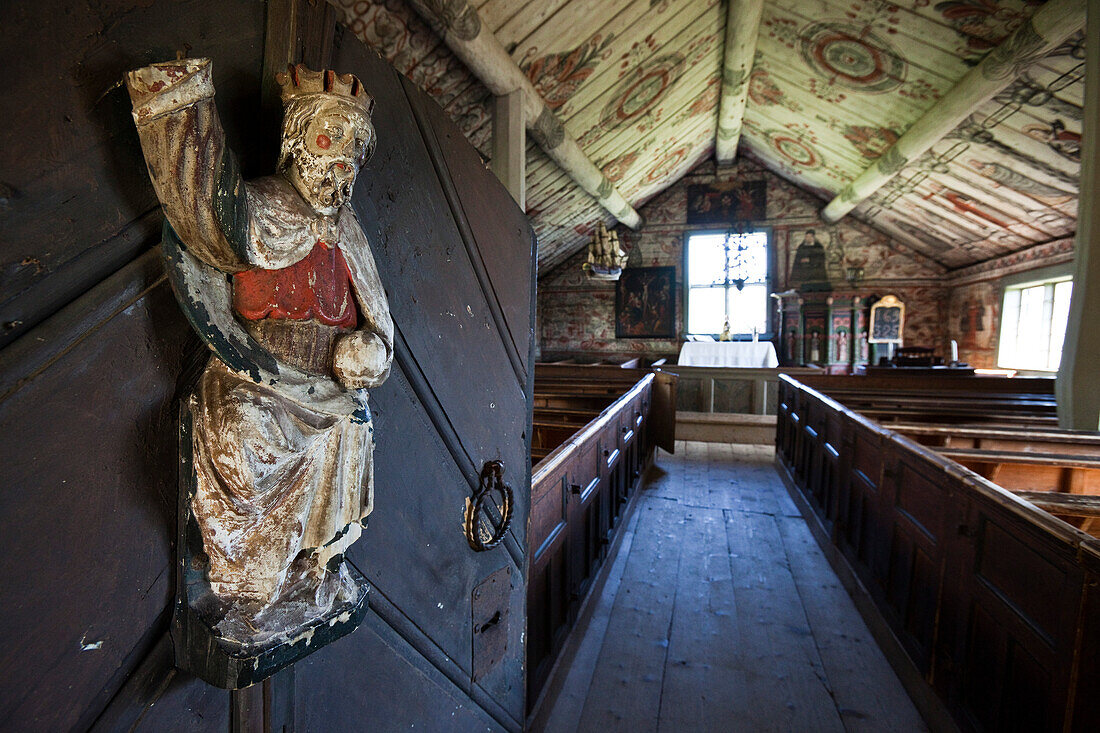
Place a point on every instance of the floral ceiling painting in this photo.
(833, 85)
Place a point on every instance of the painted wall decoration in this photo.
(808, 270)
(974, 322)
(577, 316)
(722, 203)
(645, 303)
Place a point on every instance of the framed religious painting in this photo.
(725, 202)
(887, 320)
(645, 303)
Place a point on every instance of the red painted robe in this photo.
(318, 286)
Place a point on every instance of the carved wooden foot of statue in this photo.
(276, 440)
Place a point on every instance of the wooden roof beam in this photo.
(742, 27)
(460, 27)
(1049, 26)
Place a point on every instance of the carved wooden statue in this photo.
(278, 278)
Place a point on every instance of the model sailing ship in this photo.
(605, 257)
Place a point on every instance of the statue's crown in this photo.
(299, 81)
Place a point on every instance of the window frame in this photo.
(769, 279)
(1045, 276)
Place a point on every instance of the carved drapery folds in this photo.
(278, 279)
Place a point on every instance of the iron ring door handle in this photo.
(489, 511)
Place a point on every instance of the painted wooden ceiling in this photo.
(834, 83)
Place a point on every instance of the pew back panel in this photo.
(989, 596)
(583, 479)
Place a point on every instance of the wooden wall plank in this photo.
(89, 507)
(76, 200)
(373, 681)
(489, 221)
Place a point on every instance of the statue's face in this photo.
(328, 154)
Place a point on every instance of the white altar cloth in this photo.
(728, 354)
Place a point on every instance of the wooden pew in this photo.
(1080, 511)
(594, 430)
(1011, 437)
(989, 596)
(1056, 470)
(1021, 401)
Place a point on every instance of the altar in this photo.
(728, 354)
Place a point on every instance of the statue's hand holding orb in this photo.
(360, 360)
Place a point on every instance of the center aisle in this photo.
(722, 614)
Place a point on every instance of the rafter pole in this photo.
(1078, 388)
(460, 27)
(742, 26)
(1049, 26)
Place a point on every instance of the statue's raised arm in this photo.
(194, 173)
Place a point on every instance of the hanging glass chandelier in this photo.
(735, 256)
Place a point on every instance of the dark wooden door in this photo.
(456, 256)
(99, 356)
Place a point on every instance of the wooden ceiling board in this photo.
(1012, 181)
(792, 91)
(983, 222)
(922, 242)
(514, 20)
(641, 54)
(667, 167)
(830, 145)
(670, 107)
(804, 82)
(1006, 189)
(770, 89)
(604, 120)
(1069, 82)
(1014, 188)
(561, 31)
(669, 121)
(922, 48)
(795, 146)
(664, 116)
(772, 162)
(1009, 203)
(701, 152)
(834, 84)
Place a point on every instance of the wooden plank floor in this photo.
(721, 614)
